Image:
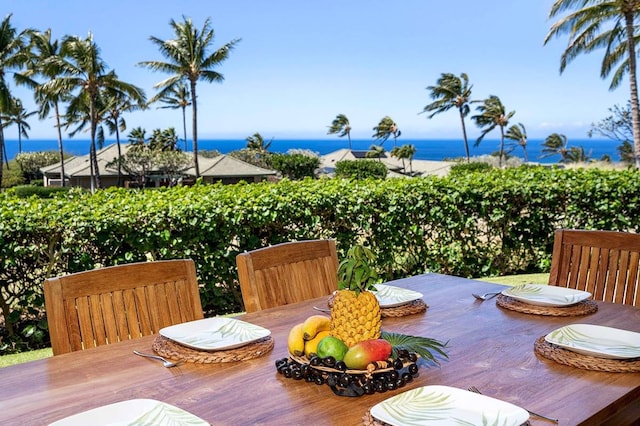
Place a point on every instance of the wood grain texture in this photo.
(108, 305)
(287, 273)
(604, 263)
(489, 347)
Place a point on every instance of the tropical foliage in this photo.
(385, 129)
(176, 97)
(189, 58)
(611, 25)
(449, 92)
(341, 126)
(360, 169)
(295, 166)
(518, 134)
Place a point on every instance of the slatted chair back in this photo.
(116, 303)
(604, 263)
(287, 273)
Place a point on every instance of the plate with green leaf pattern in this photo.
(444, 405)
(546, 295)
(597, 341)
(390, 296)
(214, 334)
(133, 412)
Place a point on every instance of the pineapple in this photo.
(355, 313)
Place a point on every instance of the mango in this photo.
(364, 353)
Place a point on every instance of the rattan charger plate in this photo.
(584, 307)
(410, 308)
(585, 362)
(168, 348)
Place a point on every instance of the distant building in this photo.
(222, 168)
(394, 165)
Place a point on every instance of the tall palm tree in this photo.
(13, 55)
(82, 68)
(608, 24)
(189, 58)
(18, 115)
(555, 144)
(340, 126)
(405, 152)
(177, 96)
(452, 91)
(492, 114)
(257, 143)
(375, 151)
(518, 133)
(385, 129)
(44, 48)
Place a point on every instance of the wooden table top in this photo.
(489, 347)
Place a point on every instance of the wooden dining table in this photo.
(488, 347)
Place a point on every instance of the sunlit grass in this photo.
(19, 358)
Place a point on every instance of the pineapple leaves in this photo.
(426, 347)
(356, 272)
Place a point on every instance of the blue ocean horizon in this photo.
(426, 149)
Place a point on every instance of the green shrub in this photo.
(474, 167)
(294, 166)
(26, 191)
(360, 169)
(499, 222)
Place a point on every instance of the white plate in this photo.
(444, 405)
(133, 412)
(546, 295)
(597, 340)
(389, 296)
(214, 334)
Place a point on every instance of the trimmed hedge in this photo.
(477, 224)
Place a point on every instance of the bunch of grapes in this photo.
(343, 383)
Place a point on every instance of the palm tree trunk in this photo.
(60, 149)
(194, 130)
(464, 135)
(184, 125)
(349, 137)
(119, 155)
(633, 82)
(93, 157)
(19, 139)
(1, 150)
(501, 146)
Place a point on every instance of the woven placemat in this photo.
(584, 307)
(585, 362)
(410, 308)
(170, 349)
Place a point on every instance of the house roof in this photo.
(424, 167)
(221, 166)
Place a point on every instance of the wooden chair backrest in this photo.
(604, 263)
(116, 303)
(287, 273)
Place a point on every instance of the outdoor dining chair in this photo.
(116, 303)
(287, 273)
(604, 263)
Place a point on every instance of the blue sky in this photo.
(300, 63)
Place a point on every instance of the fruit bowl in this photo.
(380, 376)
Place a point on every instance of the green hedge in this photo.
(475, 224)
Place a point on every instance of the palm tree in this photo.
(257, 143)
(492, 115)
(555, 144)
(13, 54)
(44, 48)
(386, 128)
(340, 125)
(518, 133)
(405, 152)
(176, 97)
(375, 151)
(82, 68)
(189, 58)
(451, 91)
(609, 24)
(18, 115)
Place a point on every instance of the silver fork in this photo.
(486, 296)
(165, 361)
(476, 390)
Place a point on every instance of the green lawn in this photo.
(508, 280)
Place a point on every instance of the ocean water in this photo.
(426, 149)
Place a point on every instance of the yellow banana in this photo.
(295, 341)
(310, 346)
(314, 325)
